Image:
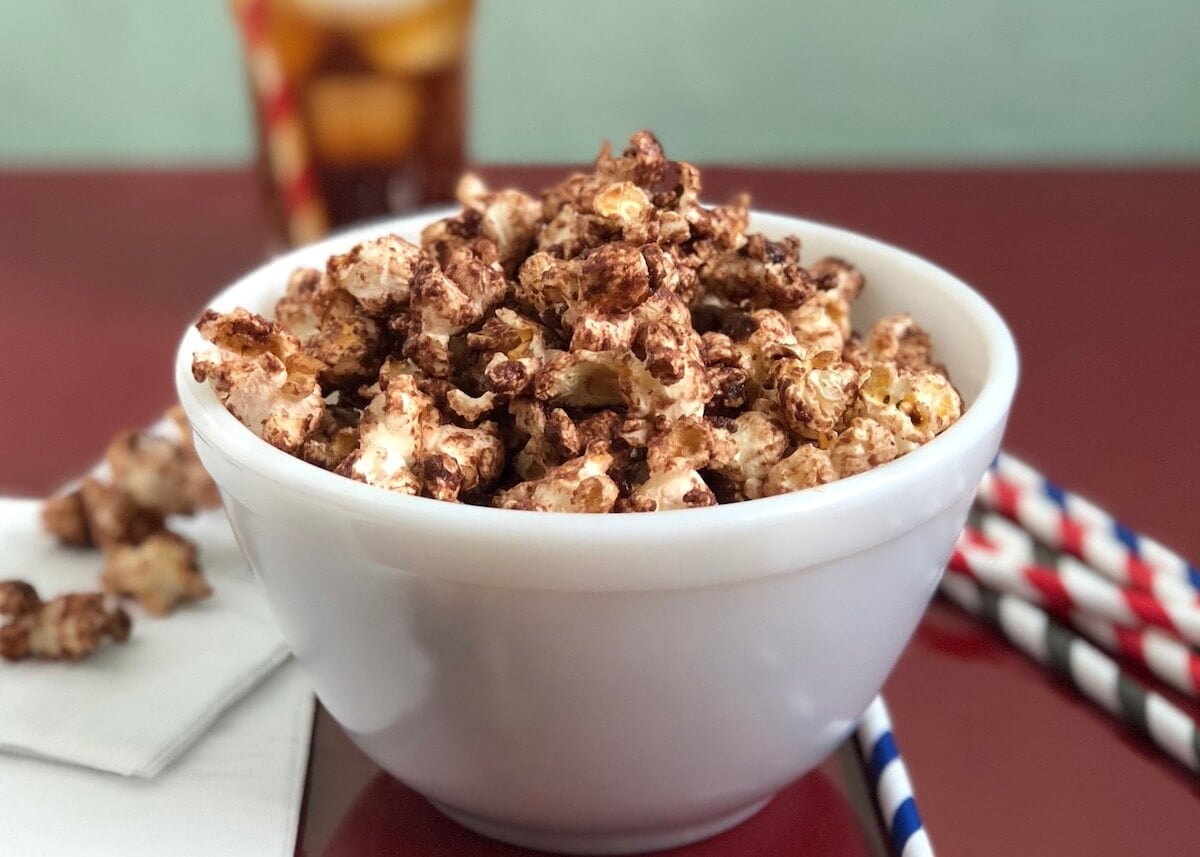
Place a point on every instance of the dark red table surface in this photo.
(1097, 273)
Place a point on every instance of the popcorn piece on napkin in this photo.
(159, 474)
(99, 514)
(68, 627)
(160, 573)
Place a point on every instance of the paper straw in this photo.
(1155, 651)
(1090, 671)
(1064, 521)
(288, 155)
(890, 782)
(1071, 588)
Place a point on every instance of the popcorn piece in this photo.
(517, 348)
(568, 439)
(900, 340)
(643, 160)
(615, 278)
(509, 377)
(333, 440)
(598, 330)
(819, 324)
(448, 302)
(17, 597)
(99, 514)
(914, 406)
(647, 395)
(69, 627)
(348, 342)
(752, 342)
(673, 459)
(689, 443)
(588, 379)
(761, 274)
(815, 393)
(295, 311)
(260, 374)
(837, 277)
(460, 460)
(65, 517)
(473, 408)
(622, 202)
(113, 517)
(670, 270)
(570, 232)
(629, 211)
(723, 227)
(580, 485)
(838, 285)
(719, 350)
(837, 309)
(510, 335)
(598, 292)
(807, 467)
(538, 453)
(865, 444)
(160, 573)
(508, 219)
(152, 477)
(643, 164)
(758, 444)
(552, 438)
(572, 437)
(665, 336)
(390, 433)
(640, 197)
(855, 353)
(545, 282)
(634, 432)
(678, 489)
(377, 273)
(729, 388)
(670, 380)
(159, 475)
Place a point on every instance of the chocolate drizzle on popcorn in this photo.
(613, 346)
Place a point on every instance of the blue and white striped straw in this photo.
(890, 783)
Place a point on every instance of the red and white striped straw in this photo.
(1070, 589)
(287, 151)
(1155, 651)
(1064, 521)
(1090, 671)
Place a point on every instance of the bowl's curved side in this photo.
(593, 712)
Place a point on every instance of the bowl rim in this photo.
(217, 427)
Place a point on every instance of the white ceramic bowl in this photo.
(613, 683)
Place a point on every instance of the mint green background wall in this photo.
(136, 82)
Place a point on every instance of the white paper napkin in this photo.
(237, 792)
(132, 708)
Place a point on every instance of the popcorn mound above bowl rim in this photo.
(612, 346)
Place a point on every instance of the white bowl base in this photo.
(639, 842)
